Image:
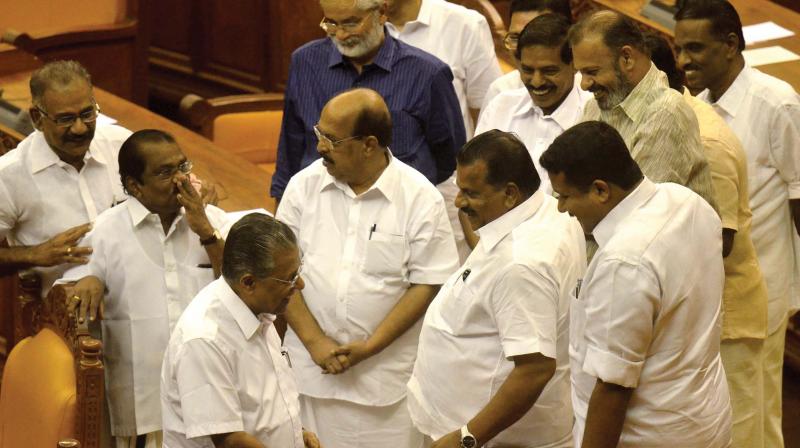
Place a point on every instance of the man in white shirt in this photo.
(493, 357)
(645, 328)
(458, 36)
(150, 256)
(225, 381)
(550, 101)
(377, 246)
(60, 177)
(521, 13)
(764, 112)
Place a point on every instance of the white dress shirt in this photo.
(462, 39)
(764, 112)
(514, 111)
(150, 278)
(510, 298)
(224, 372)
(509, 81)
(361, 253)
(648, 317)
(42, 196)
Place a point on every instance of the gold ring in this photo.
(69, 250)
(76, 298)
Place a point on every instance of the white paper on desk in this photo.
(105, 119)
(761, 32)
(768, 55)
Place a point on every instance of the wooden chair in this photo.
(53, 384)
(93, 32)
(248, 125)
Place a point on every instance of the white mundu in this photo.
(462, 39)
(360, 254)
(648, 317)
(150, 278)
(42, 196)
(224, 372)
(764, 112)
(514, 111)
(510, 298)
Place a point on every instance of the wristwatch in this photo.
(212, 239)
(467, 439)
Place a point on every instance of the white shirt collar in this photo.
(386, 184)
(423, 19)
(248, 322)
(732, 99)
(564, 115)
(493, 232)
(42, 156)
(604, 230)
(139, 213)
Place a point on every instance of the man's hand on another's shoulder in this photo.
(61, 248)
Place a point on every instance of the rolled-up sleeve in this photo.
(8, 213)
(525, 305)
(433, 255)
(207, 389)
(785, 145)
(619, 321)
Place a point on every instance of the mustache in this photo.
(690, 67)
(72, 138)
(326, 158)
(468, 211)
(542, 87)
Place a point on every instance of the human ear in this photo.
(36, 117)
(626, 59)
(512, 195)
(601, 191)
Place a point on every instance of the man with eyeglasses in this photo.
(60, 177)
(428, 127)
(225, 381)
(150, 256)
(521, 13)
(377, 245)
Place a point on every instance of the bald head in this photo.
(614, 29)
(364, 112)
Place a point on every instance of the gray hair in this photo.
(251, 245)
(365, 5)
(56, 73)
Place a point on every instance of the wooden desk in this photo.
(751, 12)
(241, 184)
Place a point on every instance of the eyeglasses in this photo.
(348, 26)
(293, 282)
(330, 143)
(510, 41)
(66, 121)
(167, 173)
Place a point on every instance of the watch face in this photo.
(468, 442)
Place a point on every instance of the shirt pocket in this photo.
(385, 254)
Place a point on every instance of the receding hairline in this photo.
(594, 26)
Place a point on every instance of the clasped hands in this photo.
(335, 358)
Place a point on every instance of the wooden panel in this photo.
(246, 56)
(170, 25)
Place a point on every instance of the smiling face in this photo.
(588, 207)
(547, 78)
(480, 201)
(69, 143)
(704, 58)
(600, 72)
(359, 33)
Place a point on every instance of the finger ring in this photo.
(76, 298)
(69, 250)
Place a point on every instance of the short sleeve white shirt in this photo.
(150, 277)
(764, 112)
(361, 253)
(462, 39)
(224, 372)
(41, 196)
(509, 81)
(511, 297)
(514, 111)
(648, 317)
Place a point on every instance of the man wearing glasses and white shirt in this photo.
(150, 256)
(377, 245)
(60, 177)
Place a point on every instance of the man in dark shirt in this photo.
(428, 128)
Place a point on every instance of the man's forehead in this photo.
(694, 30)
(536, 55)
(161, 153)
(341, 9)
(521, 18)
(68, 98)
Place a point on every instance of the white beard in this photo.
(358, 46)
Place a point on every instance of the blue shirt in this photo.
(427, 127)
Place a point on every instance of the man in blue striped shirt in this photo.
(428, 128)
